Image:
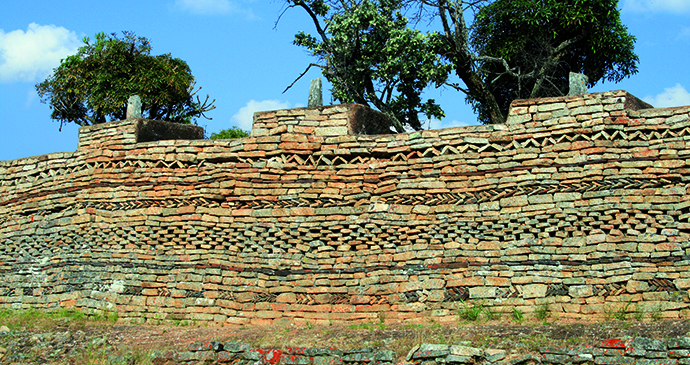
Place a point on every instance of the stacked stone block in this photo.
(635, 351)
(576, 203)
(241, 353)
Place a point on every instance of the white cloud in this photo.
(657, 6)
(32, 55)
(244, 118)
(439, 124)
(672, 96)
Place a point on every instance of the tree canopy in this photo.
(93, 85)
(230, 133)
(513, 49)
(372, 57)
(548, 40)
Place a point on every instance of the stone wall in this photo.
(577, 204)
(631, 351)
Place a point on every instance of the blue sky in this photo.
(241, 60)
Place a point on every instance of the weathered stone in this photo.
(614, 360)
(428, 350)
(577, 83)
(233, 346)
(466, 351)
(385, 356)
(582, 358)
(315, 93)
(656, 362)
(679, 343)
(455, 359)
(328, 360)
(534, 291)
(648, 344)
(580, 291)
(524, 359)
(134, 107)
(556, 359)
(205, 346)
(493, 355)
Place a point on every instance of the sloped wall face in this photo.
(577, 205)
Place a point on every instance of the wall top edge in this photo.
(344, 107)
(108, 125)
(566, 98)
(93, 137)
(37, 158)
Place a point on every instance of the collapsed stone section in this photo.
(576, 205)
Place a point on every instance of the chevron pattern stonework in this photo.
(578, 204)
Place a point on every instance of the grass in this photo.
(491, 315)
(470, 313)
(47, 325)
(518, 315)
(399, 337)
(621, 314)
(474, 311)
(542, 312)
(535, 342)
(369, 326)
(16, 319)
(656, 313)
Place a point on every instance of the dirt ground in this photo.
(506, 335)
(64, 342)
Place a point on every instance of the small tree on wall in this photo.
(230, 133)
(93, 86)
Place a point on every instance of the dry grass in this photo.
(142, 340)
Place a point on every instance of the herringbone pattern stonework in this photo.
(576, 203)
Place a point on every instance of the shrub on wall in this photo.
(231, 133)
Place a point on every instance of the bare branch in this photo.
(456, 87)
(554, 56)
(280, 16)
(302, 74)
(205, 106)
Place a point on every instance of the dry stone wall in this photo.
(577, 204)
(613, 351)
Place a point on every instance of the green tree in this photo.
(514, 49)
(531, 55)
(93, 86)
(230, 133)
(372, 57)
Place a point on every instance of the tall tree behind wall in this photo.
(514, 49)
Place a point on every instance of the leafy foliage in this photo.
(514, 49)
(549, 39)
(372, 57)
(93, 85)
(231, 133)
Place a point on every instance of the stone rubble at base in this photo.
(636, 351)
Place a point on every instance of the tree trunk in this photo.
(478, 90)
